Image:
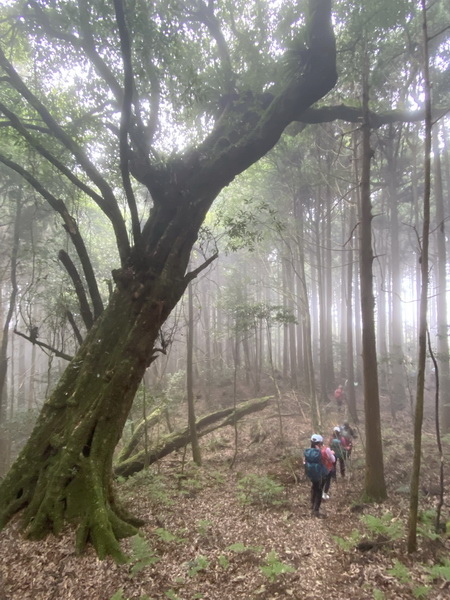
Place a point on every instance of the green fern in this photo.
(203, 526)
(441, 571)
(201, 563)
(119, 596)
(385, 525)
(260, 490)
(400, 572)
(142, 555)
(421, 591)
(223, 561)
(238, 547)
(273, 567)
(346, 544)
(427, 533)
(167, 536)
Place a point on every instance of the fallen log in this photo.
(139, 432)
(178, 439)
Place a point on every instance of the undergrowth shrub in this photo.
(142, 555)
(154, 486)
(387, 525)
(273, 567)
(260, 490)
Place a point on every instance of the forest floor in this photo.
(246, 533)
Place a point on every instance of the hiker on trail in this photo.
(329, 460)
(340, 397)
(317, 472)
(347, 437)
(337, 443)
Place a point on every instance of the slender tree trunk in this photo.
(374, 487)
(285, 286)
(398, 395)
(441, 293)
(206, 293)
(323, 342)
(308, 352)
(351, 397)
(196, 455)
(328, 280)
(9, 315)
(342, 310)
(418, 416)
(291, 327)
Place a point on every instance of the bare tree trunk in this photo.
(196, 455)
(398, 395)
(322, 330)
(418, 416)
(9, 314)
(291, 327)
(375, 486)
(441, 293)
(328, 281)
(351, 397)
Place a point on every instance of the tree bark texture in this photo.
(375, 486)
(423, 309)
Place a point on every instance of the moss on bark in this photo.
(63, 473)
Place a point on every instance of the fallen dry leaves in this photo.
(210, 546)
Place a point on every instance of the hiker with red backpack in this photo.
(317, 468)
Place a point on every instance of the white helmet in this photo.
(337, 428)
(316, 438)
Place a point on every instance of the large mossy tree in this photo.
(130, 69)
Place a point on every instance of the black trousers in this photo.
(316, 494)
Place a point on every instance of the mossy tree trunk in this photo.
(64, 471)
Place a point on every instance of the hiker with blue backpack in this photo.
(318, 465)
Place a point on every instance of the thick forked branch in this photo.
(238, 141)
(86, 43)
(204, 13)
(85, 310)
(23, 129)
(108, 202)
(69, 225)
(125, 117)
(353, 114)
